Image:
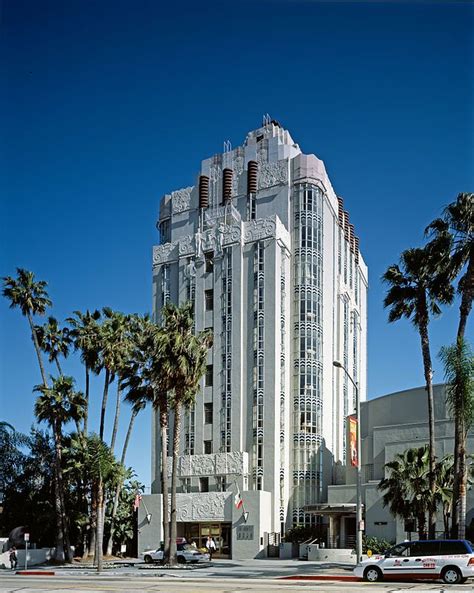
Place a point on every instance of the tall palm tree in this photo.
(184, 357)
(57, 405)
(457, 225)
(32, 299)
(406, 486)
(85, 334)
(144, 381)
(458, 363)
(54, 341)
(416, 289)
(101, 468)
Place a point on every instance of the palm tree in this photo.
(101, 468)
(32, 299)
(417, 287)
(57, 405)
(458, 223)
(457, 226)
(85, 334)
(54, 341)
(406, 487)
(145, 381)
(138, 395)
(114, 341)
(458, 363)
(184, 357)
(444, 489)
(137, 406)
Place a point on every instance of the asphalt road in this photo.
(11, 583)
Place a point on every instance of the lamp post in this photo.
(359, 529)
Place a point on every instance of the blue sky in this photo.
(105, 106)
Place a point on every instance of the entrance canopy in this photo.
(331, 509)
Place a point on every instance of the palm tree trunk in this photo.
(104, 403)
(38, 349)
(461, 452)
(164, 480)
(93, 523)
(86, 407)
(58, 499)
(117, 414)
(421, 520)
(428, 371)
(58, 366)
(64, 515)
(100, 525)
(456, 477)
(118, 490)
(174, 479)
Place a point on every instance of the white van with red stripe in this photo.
(449, 560)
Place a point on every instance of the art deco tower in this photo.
(265, 250)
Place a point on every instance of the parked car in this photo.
(449, 560)
(185, 554)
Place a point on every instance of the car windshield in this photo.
(398, 550)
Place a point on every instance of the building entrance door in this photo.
(220, 532)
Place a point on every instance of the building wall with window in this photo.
(390, 425)
(266, 252)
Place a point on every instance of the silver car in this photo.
(185, 554)
(452, 561)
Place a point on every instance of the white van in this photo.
(449, 560)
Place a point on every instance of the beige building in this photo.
(390, 425)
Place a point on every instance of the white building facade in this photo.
(264, 249)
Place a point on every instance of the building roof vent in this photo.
(252, 177)
(203, 191)
(227, 175)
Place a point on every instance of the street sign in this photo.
(26, 537)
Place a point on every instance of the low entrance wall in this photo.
(331, 554)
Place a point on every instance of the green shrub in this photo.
(377, 545)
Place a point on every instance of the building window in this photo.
(221, 484)
(208, 411)
(209, 298)
(203, 484)
(186, 482)
(209, 375)
(209, 261)
(207, 447)
(165, 231)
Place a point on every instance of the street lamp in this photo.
(359, 529)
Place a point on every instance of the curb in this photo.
(325, 577)
(48, 573)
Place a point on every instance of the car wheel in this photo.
(148, 559)
(373, 574)
(451, 575)
(181, 560)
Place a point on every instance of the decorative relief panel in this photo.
(255, 230)
(271, 174)
(220, 464)
(181, 199)
(202, 505)
(164, 253)
(186, 245)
